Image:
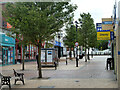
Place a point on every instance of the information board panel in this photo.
(49, 56)
(107, 26)
(42, 55)
(103, 35)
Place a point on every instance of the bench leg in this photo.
(55, 65)
(23, 82)
(107, 66)
(15, 81)
(9, 86)
(110, 66)
(55, 68)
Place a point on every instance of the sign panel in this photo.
(103, 35)
(42, 55)
(107, 22)
(57, 43)
(106, 19)
(76, 44)
(112, 35)
(100, 29)
(107, 26)
(98, 24)
(49, 56)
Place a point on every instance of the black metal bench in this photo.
(19, 77)
(80, 56)
(51, 65)
(5, 80)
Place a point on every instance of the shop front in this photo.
(59, 45)
(7, 50)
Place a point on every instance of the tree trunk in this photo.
(92, 53)
(39, 60)
(85, 55)
(23, 61)
(88, 54)
(70, 53)
(74, 52)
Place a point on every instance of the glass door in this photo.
(5, 56)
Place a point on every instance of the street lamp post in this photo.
(59, 48)
(76, 46)
(76, 24)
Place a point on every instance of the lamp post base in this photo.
(76, 62)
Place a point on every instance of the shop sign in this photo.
(103, 35)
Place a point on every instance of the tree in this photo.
(17, 27)
(70, 37)
(39, 21)
(92, 40)
(87, 31)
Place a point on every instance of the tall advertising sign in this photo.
(102, 34)
(105, 29)
(107, 24)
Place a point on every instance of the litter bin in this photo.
(80, 56)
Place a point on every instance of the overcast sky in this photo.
(97, 8)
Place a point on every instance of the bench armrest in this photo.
(20, 73)
(6, 77)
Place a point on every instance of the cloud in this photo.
(97, 8)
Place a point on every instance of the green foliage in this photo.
(71, 36)
(38, 21)
(103, 44)
(87, 35)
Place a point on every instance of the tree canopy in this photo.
(38, 21)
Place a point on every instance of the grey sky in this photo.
(97, 8)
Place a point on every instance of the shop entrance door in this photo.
(5, 56)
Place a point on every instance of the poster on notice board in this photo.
(42, 55)
(49, 56)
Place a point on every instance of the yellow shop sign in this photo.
(103, 35)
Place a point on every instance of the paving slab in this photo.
(91, 74)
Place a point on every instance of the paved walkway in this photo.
(91, 74)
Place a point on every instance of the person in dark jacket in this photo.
(37, 60)
(109, 63)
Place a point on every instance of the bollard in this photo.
(66, 60)
(57, 62)
(76, 62)
(55, 65)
